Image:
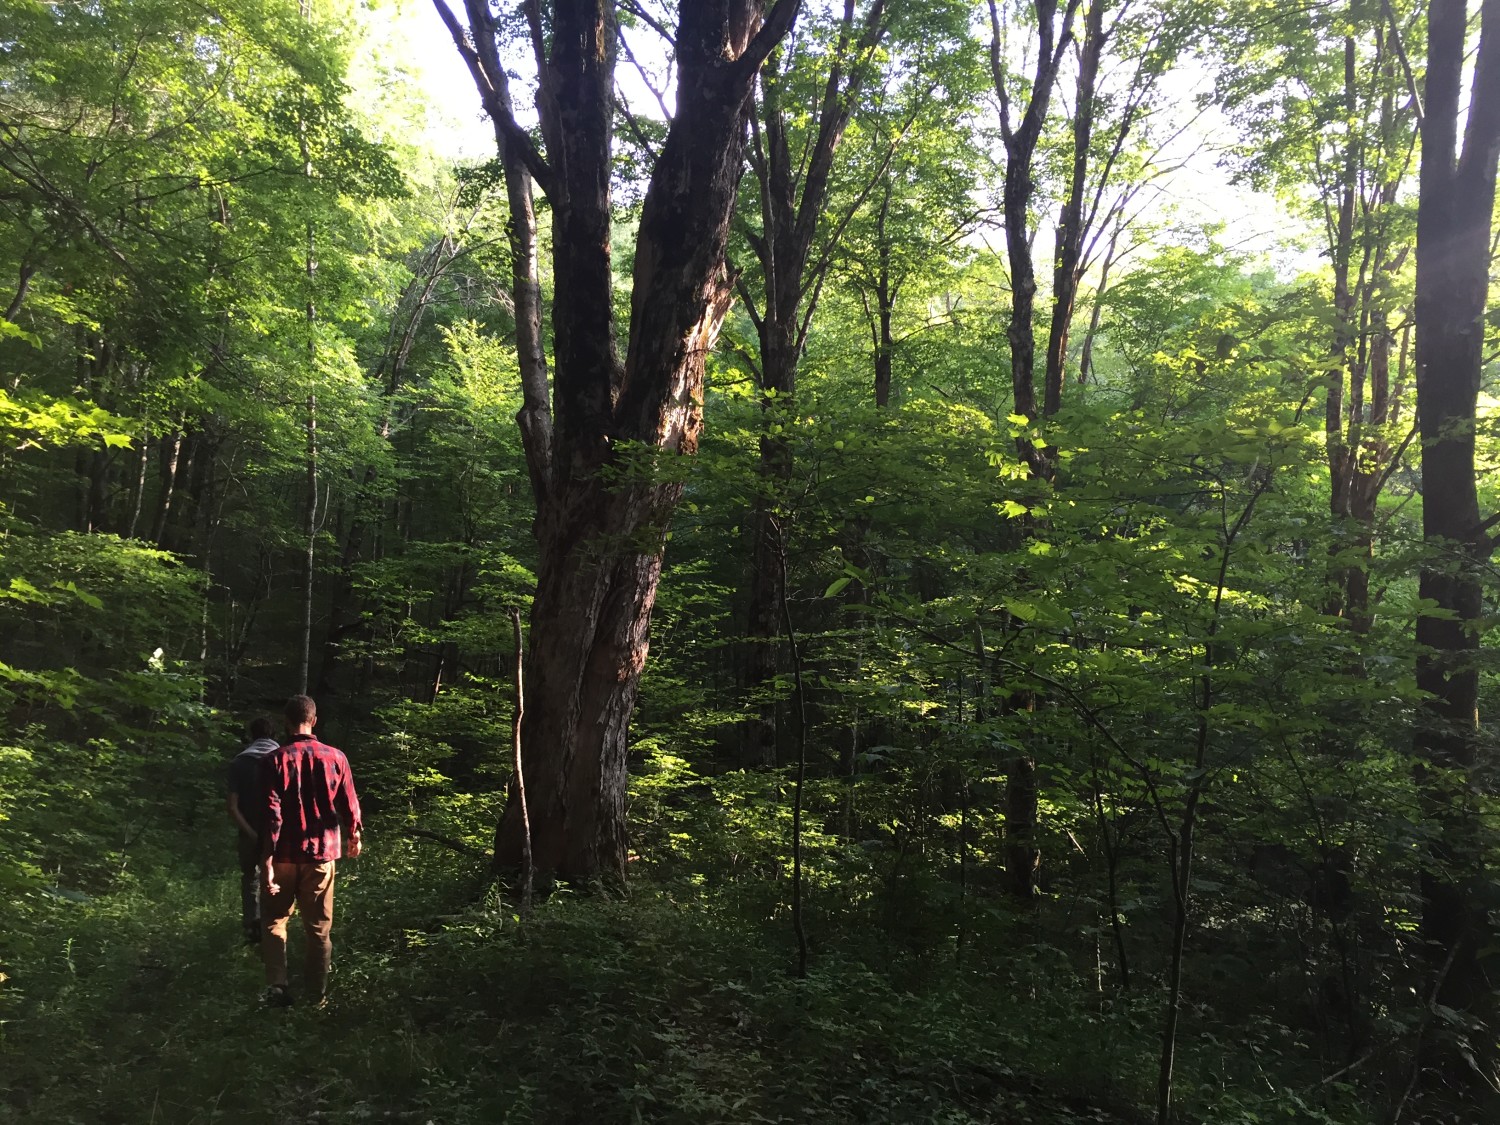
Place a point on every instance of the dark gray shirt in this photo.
(245, 780)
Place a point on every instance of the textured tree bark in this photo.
(606, 485)
(1454, 221)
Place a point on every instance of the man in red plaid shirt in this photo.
(310, 806)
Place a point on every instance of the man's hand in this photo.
(272, 887)
(356, 845)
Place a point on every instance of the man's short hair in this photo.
(262, 727)
(300, 709)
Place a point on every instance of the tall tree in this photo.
(1111, 106)
(1334, 131)
(605, 484)
(1455, 215)
(795, 130)
(876, 71)
(1021, 129)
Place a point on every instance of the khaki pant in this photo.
(307, 887)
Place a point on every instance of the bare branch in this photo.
(640, 13)
(1411, 81)
(447, 842)
(494, 89)
(635, 126)
(661, 101)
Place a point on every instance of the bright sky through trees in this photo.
(1196, 191)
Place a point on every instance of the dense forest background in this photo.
(1071, 693)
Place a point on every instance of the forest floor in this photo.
(142, 1006)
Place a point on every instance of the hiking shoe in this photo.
(277, 996)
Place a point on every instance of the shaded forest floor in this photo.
(673, 1006)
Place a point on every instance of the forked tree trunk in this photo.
(590, 628)
(605, 481)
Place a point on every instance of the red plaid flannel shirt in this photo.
(309, 790)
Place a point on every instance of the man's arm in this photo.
(272, 807)
(232, 804)
(346, 804)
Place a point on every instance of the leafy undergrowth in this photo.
(140, 1006)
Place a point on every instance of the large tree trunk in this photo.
(606, 487)
(590, 627)
(1454, 219)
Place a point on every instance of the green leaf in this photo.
(86, 598)
(1026, 611)
(12, 331)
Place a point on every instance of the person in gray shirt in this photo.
(246, 804)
